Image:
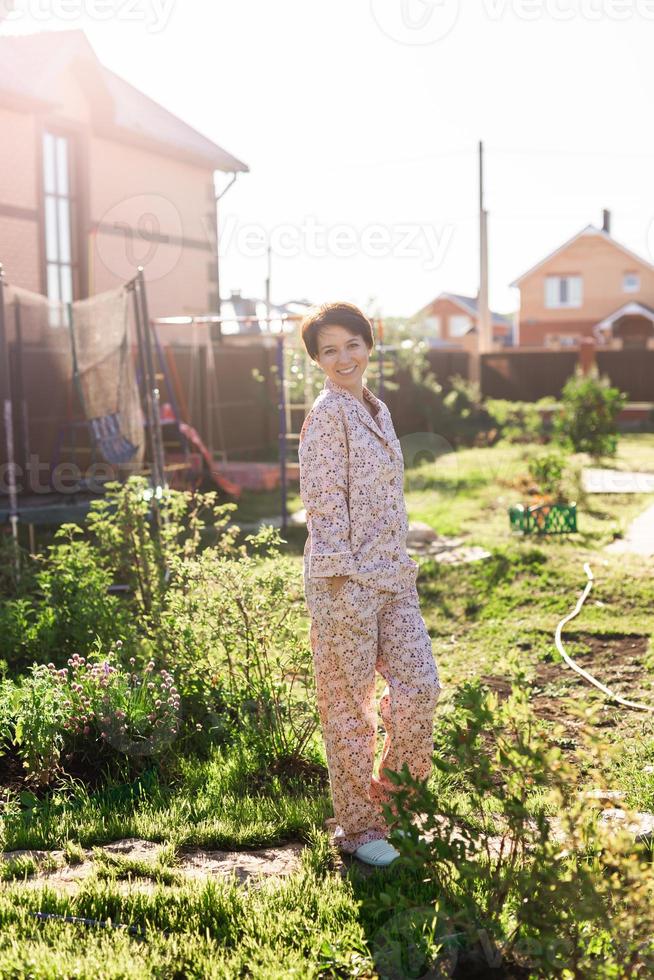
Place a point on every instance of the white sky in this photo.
(367, 114)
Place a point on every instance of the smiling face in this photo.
(343, 356)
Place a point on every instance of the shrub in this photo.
(511, 850)
(92, 710)
(69, 609)
(137, 539)
(519, 422)
(547, 470)
(421, 391)
(587, 418)
(65, 604)
(470, 422)
(233, 631)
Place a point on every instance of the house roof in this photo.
(30, 65)
(470, 305)
(587, 231)
(627, 309)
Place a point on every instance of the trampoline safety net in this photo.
(95, 352)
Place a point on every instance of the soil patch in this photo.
(614, 659)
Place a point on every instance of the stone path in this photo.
(193, 863)
(254, 867)
(639, 539)
(616, 481)
(423, 540)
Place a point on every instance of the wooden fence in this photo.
(234, 411)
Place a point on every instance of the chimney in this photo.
(606, 221)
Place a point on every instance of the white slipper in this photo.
(377, 852)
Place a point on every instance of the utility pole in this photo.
(484, 330)
(268, 278)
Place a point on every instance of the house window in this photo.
(562, 291)
(433, 326)
(58, 202)
(458, 325)
(630, 282)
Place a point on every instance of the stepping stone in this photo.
(605, 797)
(640, 825)
(616, 481)
(195, 864)
(422, 539)
(246, 865)
(639, 539)
(134, 848)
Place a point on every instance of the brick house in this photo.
(589, 287)
(96, 178)
(451, 319)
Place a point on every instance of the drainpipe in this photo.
(219, 197)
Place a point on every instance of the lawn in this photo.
(328, 919)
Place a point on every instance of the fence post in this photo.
(586, 354)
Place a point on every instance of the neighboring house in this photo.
(256, 312)
(96, 178)
(592, 286)
(451, 321)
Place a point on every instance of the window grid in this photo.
(631, 282)
(59, 205)
(563, 291)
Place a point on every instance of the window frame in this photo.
(635, 275)
(459, 316)
(560, 304)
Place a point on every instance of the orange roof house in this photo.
(97, 178)
(451, 320)
(591, 286)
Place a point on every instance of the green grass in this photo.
(226, 801)
(320, 923)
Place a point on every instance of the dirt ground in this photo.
(616, 660)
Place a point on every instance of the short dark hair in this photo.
(335, 315)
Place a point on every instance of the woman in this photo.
(360, 587)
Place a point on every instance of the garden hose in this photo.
(584, 673)
(104, 924)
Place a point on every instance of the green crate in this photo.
(544, 518)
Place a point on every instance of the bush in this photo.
(547, 470)
(511, 850)
(137, 539)
(233, 631)
(92, 710)
(587, 418)
(68, 610)
(65, 605)
(519, 422)
(421, 391)
(470, 422)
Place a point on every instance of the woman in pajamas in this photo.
(360, 587)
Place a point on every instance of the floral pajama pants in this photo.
(354, 633)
